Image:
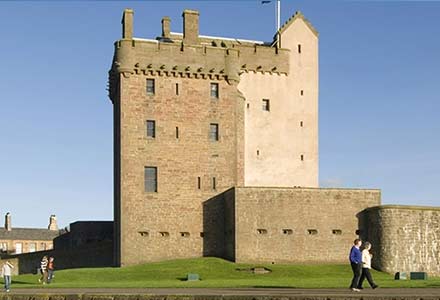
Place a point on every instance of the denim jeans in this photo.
(7, 282)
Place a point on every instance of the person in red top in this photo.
(50, 269)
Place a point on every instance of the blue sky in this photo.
(379, 96)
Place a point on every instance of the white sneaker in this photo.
(7, 291)
(355, 290)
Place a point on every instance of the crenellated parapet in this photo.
(205, 57)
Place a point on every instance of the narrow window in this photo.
(199, 183)
(312, 231)
(214, 90)
(144, 233)
(151, 179)
(258, 152)
(261, 231)
(287, 231)
(299, 48)
(164, 234)
(266, 104)
(43, 246)
(213, 133)
(177, 132)
(18, 248)
(202, 234)
(151, 128)
(177, 89)
(213, 183)
(248, 105)
(337, 231)
(301, 124)
(184, 234)
(150, 87)
(302, 157)
(302, 92)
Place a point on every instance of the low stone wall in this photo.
(292, 225)
(93, 255)
(404, 238)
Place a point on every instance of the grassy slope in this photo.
(214, 272)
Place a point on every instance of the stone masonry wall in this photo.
(168, 224)
(404, 238)
(298, 224)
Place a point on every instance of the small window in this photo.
(150, 87)
(302, 157)
(214, 183)
(151, 179)
(151, 128)
(164, 234)
(299, 48)
(287, 231)
(266, 104)
(199, 183)
(213, 133)
(32, 247)
(184, 234)
(337, 231)
(3, 247)
(248, 105)
(301, 124)
(302, 92)
(18, 248)
(144, 233)
(214, 90)
(177, 89)
(312, 231)
(258, 152)
(262, 231)
(177, 132)
(43, 246)
(202, 234)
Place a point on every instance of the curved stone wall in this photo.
(404, 238)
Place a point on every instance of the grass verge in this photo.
(214, 273)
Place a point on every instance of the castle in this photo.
(216, 152)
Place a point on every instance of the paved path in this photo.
(380, 292)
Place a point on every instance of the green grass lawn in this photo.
(214, 272)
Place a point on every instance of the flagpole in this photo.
(278, 14)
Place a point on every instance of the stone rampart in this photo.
(404, 238)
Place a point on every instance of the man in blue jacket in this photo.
(356, 264)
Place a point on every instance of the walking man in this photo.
(7, 273)
(356, 264)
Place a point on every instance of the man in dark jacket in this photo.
(356, 264)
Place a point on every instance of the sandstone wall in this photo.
(404, 238)
(298, 224)
(169, 223)
(94, 255)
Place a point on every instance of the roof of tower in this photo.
(297, 15)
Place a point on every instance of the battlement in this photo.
(185, 55)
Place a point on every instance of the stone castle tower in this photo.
(197, 115)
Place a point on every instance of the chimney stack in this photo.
(190, 27)
(166, 27)
(53, 223)
(127, 24)
(8, 224)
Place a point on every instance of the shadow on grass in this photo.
(22, 282)
(273, 287)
